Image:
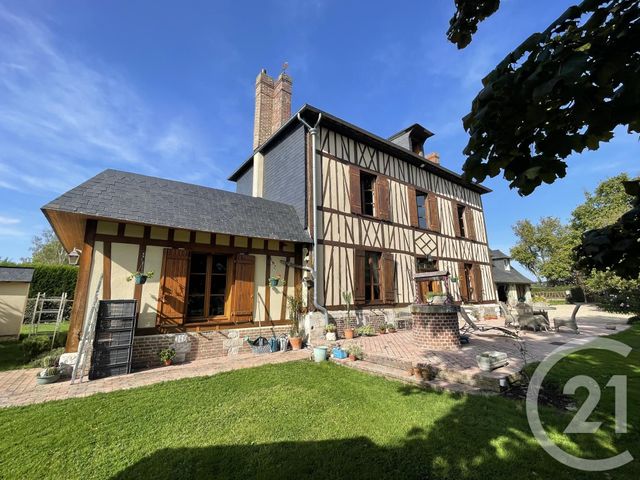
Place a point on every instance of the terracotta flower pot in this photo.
(348, 333)
(352, 357)
(168, 362)
(296, 343)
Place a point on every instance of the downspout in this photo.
(313, 132)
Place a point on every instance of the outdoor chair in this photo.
(509, 319)
(526, 318)
(568, 322)
(471, 326)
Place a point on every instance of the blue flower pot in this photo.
(319, 354)
(339, 353)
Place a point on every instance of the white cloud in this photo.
(8, 220)
(65, 117)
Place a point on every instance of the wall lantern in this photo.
(74, 256)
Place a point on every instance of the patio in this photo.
(393, 355)
(18, 387)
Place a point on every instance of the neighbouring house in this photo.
(14, 293)
(511, 285)
(382, 210)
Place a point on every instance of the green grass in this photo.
(45, 328)
(305, 420)
(11, 356)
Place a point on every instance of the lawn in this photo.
(11, 355)
(305, 420)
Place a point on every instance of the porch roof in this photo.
(129, 197)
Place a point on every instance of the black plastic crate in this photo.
(115, 323)
(117, 308)
(108, 371)
(122, 338)
(111, 356)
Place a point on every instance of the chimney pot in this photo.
(433, 157)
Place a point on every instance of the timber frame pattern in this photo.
(393, 230)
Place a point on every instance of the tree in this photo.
(542, 249)
(46, 249)
(559, 92)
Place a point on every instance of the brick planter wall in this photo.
(203, 344)
(435, 327)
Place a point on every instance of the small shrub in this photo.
(355, 350)
(38, 361)
(633, 320)
(35, 345)
(366, 330)
(166, 354)
(330, 328)
(50, 372)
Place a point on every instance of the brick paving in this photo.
(399, 348)
(18, 387)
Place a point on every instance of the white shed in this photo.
(14, 292)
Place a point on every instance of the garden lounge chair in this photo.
(526, 318)
(509, 319)
(568, 322)
(471, 326)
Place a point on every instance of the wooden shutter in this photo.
(413, 206)
(388, 278)
(243, 286)
(358, 277)
(471, 228)
(477, 283)
(434, 217)
(456, 223)
(383, 207)
(462, 282)
(173, 287)
(354, 183)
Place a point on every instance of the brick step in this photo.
(388, 361)
(401, 375)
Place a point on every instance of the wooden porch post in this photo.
(82, 288)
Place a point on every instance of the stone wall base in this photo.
(400, 317)
(202, 345)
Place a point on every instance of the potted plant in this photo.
(366, 330)
(391, 328)
(48, 375)
(140, 277)
(275, 281)
(355, 352)
(348, 331)
(382, 329)
(330, 332)
(167, 355)
(454, 279)
(296, 308)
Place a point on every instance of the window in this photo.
(372, 277)
(421, 200)
(207, 287)
(507, 265)
(461, 215)
(367, 189)
(428, 264)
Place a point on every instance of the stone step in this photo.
(402, 375)
(392, 362)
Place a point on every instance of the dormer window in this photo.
(507, 264)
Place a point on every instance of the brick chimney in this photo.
(273, 105)
(433, 157)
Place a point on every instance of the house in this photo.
(14, 293)
(511, 285)
(320, 203)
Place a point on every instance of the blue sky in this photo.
(166, 88)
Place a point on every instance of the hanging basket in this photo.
(140, 279)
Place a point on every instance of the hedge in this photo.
(53, 280)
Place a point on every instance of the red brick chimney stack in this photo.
(273, 105)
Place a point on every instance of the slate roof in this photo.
(500, 275)
(16, 274)
(130, 197)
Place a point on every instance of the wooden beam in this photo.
(82, 288)
(267, 295)
(106, 272)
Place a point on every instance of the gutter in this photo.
(313, 131)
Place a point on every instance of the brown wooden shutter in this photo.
(173, 287)
(243, 286)
(477, 283)
(434, 217)
(383, 207)
(462, 282)
(413, 206)
(471, 228)
(388, 278)
(355, 197)
(456, 223)
(358, 278)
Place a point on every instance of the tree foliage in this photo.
(542, 249)
(46, 249)
(559, 92)
(615, 248)
(469, 13)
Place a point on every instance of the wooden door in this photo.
(173, 287)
